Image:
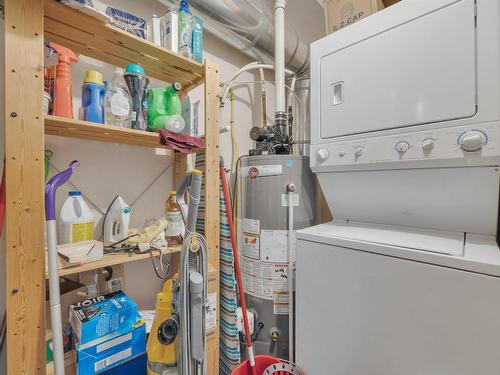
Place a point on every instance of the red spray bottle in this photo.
(63, 97)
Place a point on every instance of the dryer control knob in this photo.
(402, 147)
(472, 141)
(358, 151)
(428, 144)
(322, 154)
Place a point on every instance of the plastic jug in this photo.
(165, 109)
(117, 101)
(76, 221)
(93, 97)
(138, 85)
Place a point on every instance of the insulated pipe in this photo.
(279, 64)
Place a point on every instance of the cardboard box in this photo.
(100, 316)
(110, 351)
(342, 13)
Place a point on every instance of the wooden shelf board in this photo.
(67, 127)
(110, 260)
(89, 36)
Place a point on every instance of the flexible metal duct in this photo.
(248, 25)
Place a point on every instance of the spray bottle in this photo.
(63, 97)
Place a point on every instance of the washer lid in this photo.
(434, 241)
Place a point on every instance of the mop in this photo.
(55, 302)
(255, 364)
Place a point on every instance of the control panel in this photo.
(458, 143)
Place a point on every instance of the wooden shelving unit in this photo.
(27, 23)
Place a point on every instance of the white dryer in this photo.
(405, 141)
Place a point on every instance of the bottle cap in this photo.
(119, 70)
(177, 86)
(74, 193)
(184, 7)
(93, 76)
(173, 192)
(134, 68)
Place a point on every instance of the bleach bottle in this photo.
(93, 97)
(76, 221)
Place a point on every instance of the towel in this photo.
(180, 142)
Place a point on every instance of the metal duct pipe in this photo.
(248, 25)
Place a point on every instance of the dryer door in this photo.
(420, 71)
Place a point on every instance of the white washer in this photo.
(390, 301)
(405, 141)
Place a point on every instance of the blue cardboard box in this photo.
(112, 351)
(100, 316)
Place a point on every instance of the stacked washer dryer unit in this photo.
(406, 146)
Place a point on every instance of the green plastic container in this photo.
(165, 109)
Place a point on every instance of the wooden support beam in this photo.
(24, 141)
(212, 196)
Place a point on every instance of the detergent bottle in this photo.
(76, 221)
(63, 96)
(93, 97)
(138, 85)
(165, 109)
(161, 342)
(185, 30)
(117, 101)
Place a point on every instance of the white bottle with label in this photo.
(117, 102)
(76, 221)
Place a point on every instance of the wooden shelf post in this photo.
(24, 141)
(212, 198)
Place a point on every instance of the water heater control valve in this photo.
(472, 140)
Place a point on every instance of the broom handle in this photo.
(239, 281)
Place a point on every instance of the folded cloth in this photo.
(180, 142)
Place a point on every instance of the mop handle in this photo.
(51, 188)
(234, 245)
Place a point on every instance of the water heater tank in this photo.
(262, 235)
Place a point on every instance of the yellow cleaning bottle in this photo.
(161, 342)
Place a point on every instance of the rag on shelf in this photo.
(180, 142)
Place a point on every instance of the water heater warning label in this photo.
(251, 246)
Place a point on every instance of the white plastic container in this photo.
(76, 221)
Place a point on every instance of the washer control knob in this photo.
(473, 140)
(402, 147)
(358, 151)
(322, 154)
(428, 144)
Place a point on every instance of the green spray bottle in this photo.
(165, 109)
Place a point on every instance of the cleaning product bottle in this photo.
(117, 101)
(165, 108)
(174, 219)
(93, 97)
(161, 342)
(185, 30)
(76, 221)
(63, 97)
(138, 85)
